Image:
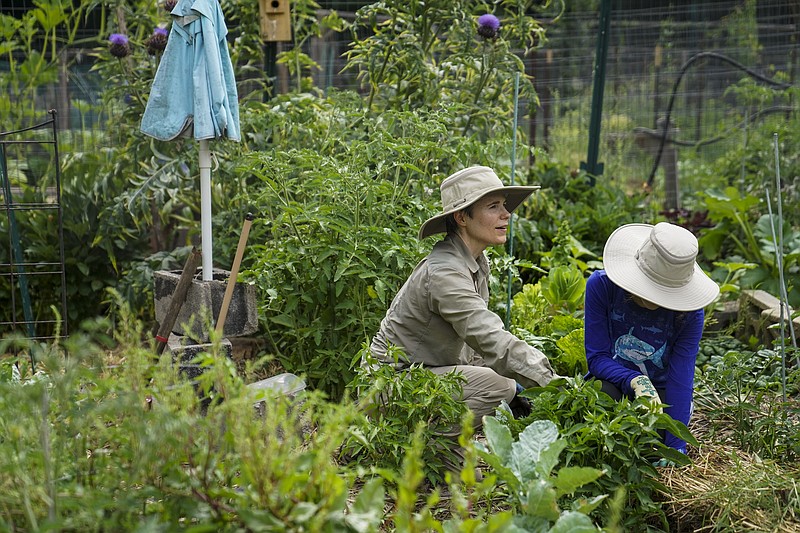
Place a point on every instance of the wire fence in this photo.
(678, 58)
(650, 50)
(650, 45)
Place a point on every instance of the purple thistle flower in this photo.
(169, 5)
(119, 46)
(157, 42)
(118, 38)
(488, 26)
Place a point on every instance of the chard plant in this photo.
(527, 465)
(548, 313)
(560, 336)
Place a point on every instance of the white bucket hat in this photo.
(467, 186)
(657, 263)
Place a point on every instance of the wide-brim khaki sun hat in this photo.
(467, 186)
(657, 263)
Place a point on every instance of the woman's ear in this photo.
(460, 217)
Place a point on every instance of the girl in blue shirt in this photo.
(644, 317)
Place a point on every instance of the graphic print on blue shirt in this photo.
(637, 351)
(640, 339)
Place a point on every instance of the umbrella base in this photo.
(184, 350)
(200, 311)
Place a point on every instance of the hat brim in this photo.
(515, 195)
(619, 261)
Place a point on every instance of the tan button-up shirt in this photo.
(440, 317)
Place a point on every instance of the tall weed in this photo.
(90, 447)
(400, 403)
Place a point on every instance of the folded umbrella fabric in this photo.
(194, 86)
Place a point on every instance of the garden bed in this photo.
(728, 485)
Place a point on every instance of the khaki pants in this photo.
(482, 391)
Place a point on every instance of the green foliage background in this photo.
(340, 182)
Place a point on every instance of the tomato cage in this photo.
(32, 273)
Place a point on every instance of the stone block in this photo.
(184, 350)
(760, 315)
(203, 303)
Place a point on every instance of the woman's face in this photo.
(641, 302)
(488, 224)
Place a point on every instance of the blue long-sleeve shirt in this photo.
(624, 340)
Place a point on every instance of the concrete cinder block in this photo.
(203, 302)
(184, 350)
(760, 313)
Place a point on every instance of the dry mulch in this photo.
(729, 489)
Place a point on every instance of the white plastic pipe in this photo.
(205, 209)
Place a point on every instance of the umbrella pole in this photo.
(205, 208)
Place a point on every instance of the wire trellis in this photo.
(32, 278)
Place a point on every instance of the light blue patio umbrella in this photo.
(194, 93)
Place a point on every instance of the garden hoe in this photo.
(178, 297)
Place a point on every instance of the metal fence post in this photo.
(592, 166)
